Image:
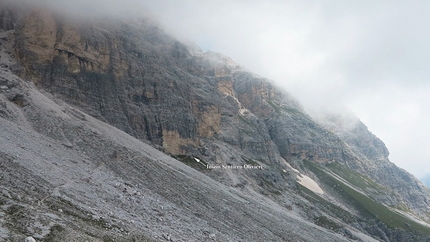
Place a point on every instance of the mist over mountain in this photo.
(112, 129)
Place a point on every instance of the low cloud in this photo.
(372, 57)
(88, 8)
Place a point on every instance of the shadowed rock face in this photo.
(110, 74)
(150, 85)
(189, 104)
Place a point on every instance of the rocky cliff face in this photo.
(373, 156)
(162, 92)
(207, 111)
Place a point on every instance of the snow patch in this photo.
(309, 183)
(306, 181)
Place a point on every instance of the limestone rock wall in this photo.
(117, 75)
(150, 85)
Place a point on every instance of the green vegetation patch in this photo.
(275, 106)
(292, 111)
(403, 207)
(323, 221)
(327, 206)
(366, 205)
(355, 178)
(334, 185)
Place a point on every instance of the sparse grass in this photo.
(327, 206)
(390, 218)
(356, 179)
(275, 107)
(323, 221)
(335, 187)
(366, 205)
(292, 111)
(269, 186)
(402, 207)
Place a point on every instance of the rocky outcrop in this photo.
(66, 176)
(87, 65)
(162, 90)
(373, 162)
(355, 133)
(200, 108)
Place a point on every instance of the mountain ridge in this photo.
(202, 106)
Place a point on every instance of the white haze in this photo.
(370, 56)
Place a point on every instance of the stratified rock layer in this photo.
(198, 107)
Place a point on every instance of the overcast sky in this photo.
(370, 56)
